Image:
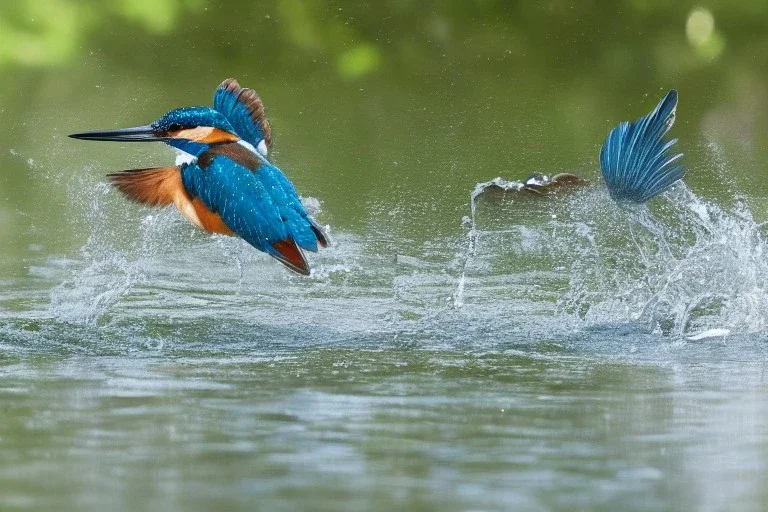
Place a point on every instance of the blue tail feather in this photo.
(636, 160)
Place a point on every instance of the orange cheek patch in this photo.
(217, 136)
(206, 135)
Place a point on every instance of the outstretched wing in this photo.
(245, 112)
(253, 208)
(636, 160)
(301, 227)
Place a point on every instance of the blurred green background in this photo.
(388, 112)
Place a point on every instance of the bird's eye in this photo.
(174, 127)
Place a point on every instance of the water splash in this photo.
(684, 268)
(458, 296)
(94, 289)
(102, 274)
(496, 183)
(538, 184)
(113, 259)
(142, 258)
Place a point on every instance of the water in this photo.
(509, 352)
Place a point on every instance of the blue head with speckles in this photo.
(194, 129)
(191, 117)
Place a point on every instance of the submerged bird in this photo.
(637, 161)
(229, 187)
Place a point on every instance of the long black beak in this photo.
(138, 134)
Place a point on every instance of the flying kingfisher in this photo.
(229, 186)
(636, 159)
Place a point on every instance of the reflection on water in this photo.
(185, 428)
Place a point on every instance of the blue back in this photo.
(290, 207)
(245, 111)
(254, 204)
(636, 161)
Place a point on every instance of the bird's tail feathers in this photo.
(322, 238)
(289, 254)
(636, 160)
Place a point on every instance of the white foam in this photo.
(709, 334)
(685, 266)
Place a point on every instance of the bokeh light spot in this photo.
(700, 26)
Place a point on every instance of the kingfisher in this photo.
(227, 185)
(637, 160)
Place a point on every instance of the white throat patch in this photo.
(261, 152)
(185, 158)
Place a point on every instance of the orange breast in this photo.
(210, 221)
